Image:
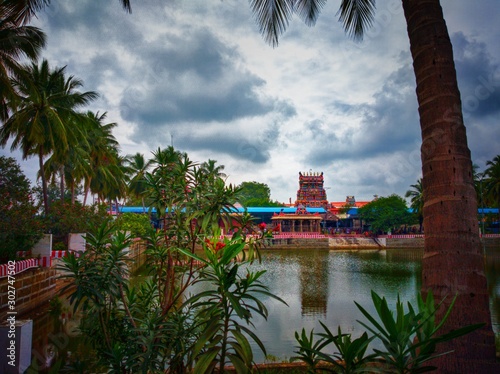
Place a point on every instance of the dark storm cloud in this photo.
(193, 78)
(479, 83)
(478, 78)
(390, 124)
(251, 150)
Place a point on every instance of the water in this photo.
(322, 285)
(318, 285)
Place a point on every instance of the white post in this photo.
(15, 345)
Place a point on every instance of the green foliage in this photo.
(20, 227)
(137, 224)
(65, 218)
(232, 296)
(409, 340)
(385, 213)
(146, 327)
(491, 182)
(416, 195)
(350, 357)
(255, 201)
(253, 192)
(309, 350)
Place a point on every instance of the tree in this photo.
(101, 153)
(19, 227)
(385, 213)
(44, 108)
(16, 41)
(416, 196)
(137, 167)
(254, 191)
(211, 168)
(492, 181)
(453, 263)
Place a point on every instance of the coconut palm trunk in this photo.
(453, 262)
(45, 194)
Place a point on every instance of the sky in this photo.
(197, 74)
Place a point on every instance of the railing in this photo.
(16, 267)
(299, 235)
(404, 236)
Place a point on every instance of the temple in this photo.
(311, 193)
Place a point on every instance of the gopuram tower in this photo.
(311, 192)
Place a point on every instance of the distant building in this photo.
(311, 192)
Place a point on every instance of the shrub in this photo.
(20, 228)
(137, 224)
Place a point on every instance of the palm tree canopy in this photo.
(416, 195)
(21, 11)
(17, 41)
(136, 168)
(273, 16)
(46, 102)
(492, 181)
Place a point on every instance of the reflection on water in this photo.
(493, 277)
(322, 285)
(318, 285)
(313, 283)
(55, 336)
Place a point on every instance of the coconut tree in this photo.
(17, 41)
(64, 160)
(492, 181)
(21, 11)
(453, 263)
(101, 150)
(75, 167)
(213, 170)
(45, 106)
(416, 195)
(137, 167)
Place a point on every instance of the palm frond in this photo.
(356, 16)
(308, 10)
(273, 17)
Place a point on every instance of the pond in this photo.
(318, 285)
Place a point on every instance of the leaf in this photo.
(238, 364)
(206, 361)
(245, 345)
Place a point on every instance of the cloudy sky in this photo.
(197, 73)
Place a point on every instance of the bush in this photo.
(137, 224)
(20, 228)
(66, 218)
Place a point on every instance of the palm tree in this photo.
(416, 196)
(492, 181)
(17, 41)
(137, 166)
(101, 151)
(44, 109)
(453, 263)
(213, 170)
(75, 167)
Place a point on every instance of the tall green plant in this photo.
(410, 338)
(225, 309)
(350, 356)
(146, 327)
